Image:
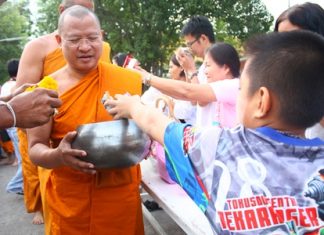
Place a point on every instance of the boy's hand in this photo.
(122, 106)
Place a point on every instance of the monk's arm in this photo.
(39, 151)
(201, 93)
(63, 155)
(31, 64)
(149, 119)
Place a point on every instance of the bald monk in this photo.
(82, 200)
(41, 57)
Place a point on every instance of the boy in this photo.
(262, 177)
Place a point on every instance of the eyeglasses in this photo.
(76, 42)
(189, 44)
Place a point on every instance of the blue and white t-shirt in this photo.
(250, 181)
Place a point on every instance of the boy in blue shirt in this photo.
(262, 177)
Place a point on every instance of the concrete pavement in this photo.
(14, 220)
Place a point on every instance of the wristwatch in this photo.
(190, 76)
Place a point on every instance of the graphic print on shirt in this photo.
(254, 212)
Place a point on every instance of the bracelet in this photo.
(11, 111)
(147, 79)
(192, 75)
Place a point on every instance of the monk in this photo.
(42, 56)
(82, 200)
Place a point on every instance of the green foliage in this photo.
(150, 29)
(47, 16)
(15, 24)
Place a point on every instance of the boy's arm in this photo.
(149, 119)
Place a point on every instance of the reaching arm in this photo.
(30, 108)
(201, 93)
(149, 119)
(6, 119)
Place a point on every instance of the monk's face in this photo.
(81, 42)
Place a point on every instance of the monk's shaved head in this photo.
(65, 4)
(76, 11)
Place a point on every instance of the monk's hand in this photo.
(71, 157)
(122, 106)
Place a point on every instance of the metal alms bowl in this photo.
(112, 144)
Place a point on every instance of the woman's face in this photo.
(286, 25)
(214, 72)
(174, 71)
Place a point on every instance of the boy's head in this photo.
(198, 33)
(282, 84)
(12, 67)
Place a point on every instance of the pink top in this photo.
(223, 111)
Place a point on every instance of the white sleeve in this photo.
(184, 110)
(150, 95)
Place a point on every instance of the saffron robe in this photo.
(35, 177)
(108, 202)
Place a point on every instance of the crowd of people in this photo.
(246, 144)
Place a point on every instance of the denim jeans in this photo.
(15, 185)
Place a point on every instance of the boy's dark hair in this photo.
(12, 67)
(198, 25)
(291, 66)
(175, 61)
(225, 54)
(309, 16)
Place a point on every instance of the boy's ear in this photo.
(264, 102)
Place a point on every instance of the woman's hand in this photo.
(71, 157)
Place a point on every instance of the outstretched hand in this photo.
(34, 108)
(121, 106)
(142, 71)
(71, 157)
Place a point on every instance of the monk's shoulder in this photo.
(42, 45)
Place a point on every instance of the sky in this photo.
(276, 7)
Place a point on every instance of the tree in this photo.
(150, 29)
(15, 33)
(47, 16)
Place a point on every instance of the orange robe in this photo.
(35, 178)
(108, 202)
(7, 146)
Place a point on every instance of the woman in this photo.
(217, 98)
(307, 16)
